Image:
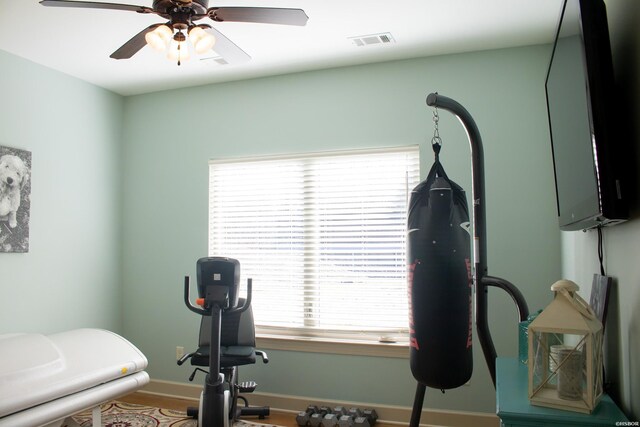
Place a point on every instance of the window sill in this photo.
(333, 346)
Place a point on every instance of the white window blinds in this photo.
(322, 236)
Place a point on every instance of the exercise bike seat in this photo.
(229, 356)
(237, 340)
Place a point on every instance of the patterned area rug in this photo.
(121, 414)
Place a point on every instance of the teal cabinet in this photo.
(514, 409)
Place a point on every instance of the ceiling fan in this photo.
(180, 27)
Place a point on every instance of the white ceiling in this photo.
(78, 42)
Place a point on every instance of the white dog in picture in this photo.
(13, 176)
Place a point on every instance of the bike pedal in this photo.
(247, 386)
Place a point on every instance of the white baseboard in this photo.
(294, 404)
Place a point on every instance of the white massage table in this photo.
(46, 379)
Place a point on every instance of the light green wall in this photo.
(70, 278)
(170, 136)
(97, 262)
(622, 242)
(83, 240)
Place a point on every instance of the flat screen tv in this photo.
(582, 120)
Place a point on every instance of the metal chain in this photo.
(436, 140)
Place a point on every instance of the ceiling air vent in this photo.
(215, 59)
(372, 39)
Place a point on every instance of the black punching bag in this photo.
(439, 281)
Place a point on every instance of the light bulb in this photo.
(201, 40)
(196, 34)
(159, 38)
(178, 51)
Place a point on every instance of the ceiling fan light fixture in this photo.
(159, 38)
(201, 40)
(178, 51)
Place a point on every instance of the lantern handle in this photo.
(565, 284)
(579, 304)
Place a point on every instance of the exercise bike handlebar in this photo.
(204, 312)
(247, 302)
(187, 300)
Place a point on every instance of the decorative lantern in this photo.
(565, 353)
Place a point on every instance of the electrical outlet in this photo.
(179, 352)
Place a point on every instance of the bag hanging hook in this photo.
(436, 141)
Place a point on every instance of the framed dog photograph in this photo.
(15, 199)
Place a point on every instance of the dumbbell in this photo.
(330, 420)
(345, 421)
(302, 419)
(348, 416)
(316, 419)
(354, 413)
(371, 415)
(340, 411)
(367, 419)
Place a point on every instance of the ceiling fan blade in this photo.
(226, 48)
(134, 44)
(262, 15)
(96, 5)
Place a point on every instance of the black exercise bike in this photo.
(218, 283)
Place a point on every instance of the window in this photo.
(323, 238)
